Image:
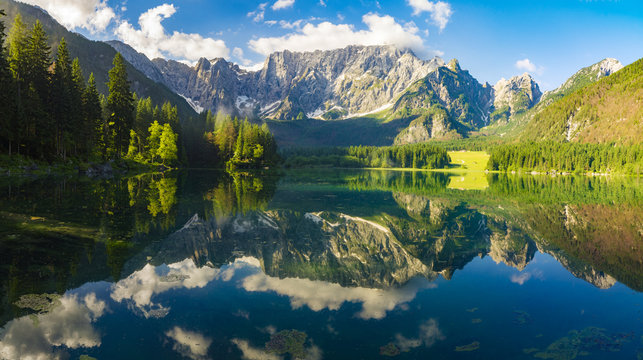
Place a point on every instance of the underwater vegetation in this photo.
(582, 343)
(41, 303)
(288, 342)
(389, 349)
(469, 347)
(521, 317)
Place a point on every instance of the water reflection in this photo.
(332, 247)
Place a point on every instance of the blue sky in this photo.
(551, 39)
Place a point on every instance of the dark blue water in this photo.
(354, 265)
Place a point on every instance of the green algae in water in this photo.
(288, 341)
(476, 321)
(389, 349)
(581, 343)
(41, 303)
(521, 317)
(469, 347)
(530, 350)
(86, 357)
(472, 310)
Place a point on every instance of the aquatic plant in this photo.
(288, 341)
(38, 302)
(580, 343)
(469, 347)
(389, 349)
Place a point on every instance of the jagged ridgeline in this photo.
(94, 56)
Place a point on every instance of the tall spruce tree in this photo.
(61, 102)
(17, 39)
(81, 130)
(7, 95)
(93, 117)
(120, 104)
(39, 125)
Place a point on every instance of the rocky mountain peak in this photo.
(518, 93)
(607, 67)
(454, 65)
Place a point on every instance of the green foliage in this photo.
(242, 145)
(605, 111)
(567, 157)
(415, 156)
(167, 145)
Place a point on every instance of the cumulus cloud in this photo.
(40, 336)
(93, 15)
(525, 64)
(152, 40)
(520, 278)
(142, 285)
(282, 4)
(439, 11)
(259, 14)
(382, 30)
(250, 352)
(429, 333)
(189, 344)
(319, 295)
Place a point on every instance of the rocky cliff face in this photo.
(350, 81)
(447, 103)
(516, 94)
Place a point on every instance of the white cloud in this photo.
(189, 344)
(249, 352)
(382, 30)
(41, 336)
(259, 14)
(142, 285)
(520, 278)
(239, 55)
(154, 42)
(319, 295)
(526, 65)
(429, 333)
(440, 11)
(93, 15)
(282, 4)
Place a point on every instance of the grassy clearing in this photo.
(468, 160)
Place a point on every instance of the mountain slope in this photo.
(608, 110)
(94, 56)
(447, 103)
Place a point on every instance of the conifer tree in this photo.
(120, 104)
(93, 119)
(7, 95)
(61, 100)
(154, 140)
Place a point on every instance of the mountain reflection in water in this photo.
(206, 265)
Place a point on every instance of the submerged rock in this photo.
(580, 343)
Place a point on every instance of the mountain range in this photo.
(374, 95)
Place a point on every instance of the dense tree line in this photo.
(567, 157)
(415, 156)
(241, 144)
(50, 112)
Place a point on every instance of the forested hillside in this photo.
(94, 56)
(610, 110)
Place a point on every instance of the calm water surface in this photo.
(321, 265)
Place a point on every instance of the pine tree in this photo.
(61, 100)
(92, 117)
(39, 125)
(167, 147)
(7, 95)
(120, 104)
(17, 40)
